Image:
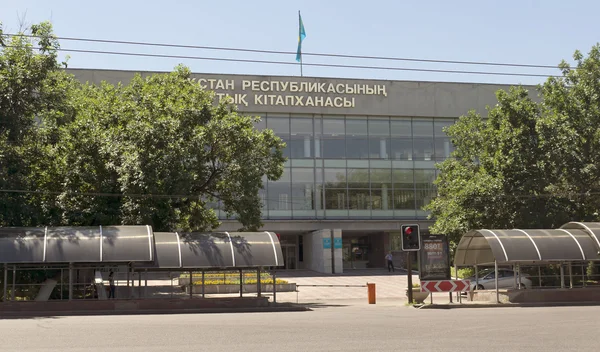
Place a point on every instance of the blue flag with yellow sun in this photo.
(301, 36)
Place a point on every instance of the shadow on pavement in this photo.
(356, 272)
(321, 305)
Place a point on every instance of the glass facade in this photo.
(354, 167)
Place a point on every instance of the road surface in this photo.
(337, 326)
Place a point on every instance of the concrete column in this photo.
(382, 149)
(307, 147)
(338, 254)
(384, 197)
(318, 251)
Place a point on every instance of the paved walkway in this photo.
(390, 287)
(321, 288)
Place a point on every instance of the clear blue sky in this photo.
(515, 31)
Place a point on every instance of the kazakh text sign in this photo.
(247, 92)
(446, 286)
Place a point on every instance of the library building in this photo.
(361, 158)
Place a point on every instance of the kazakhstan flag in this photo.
(301, 36)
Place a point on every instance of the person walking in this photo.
(111, 284)
(390, 263)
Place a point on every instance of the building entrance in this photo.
(289, 256)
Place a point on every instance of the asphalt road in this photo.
(357, 327)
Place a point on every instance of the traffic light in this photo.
(411, 238)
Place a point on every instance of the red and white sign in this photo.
(446, 286)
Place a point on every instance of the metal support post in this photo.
(583, 274)
(191, 284)
(496, 280)
(61, 283)
(519, 276)
(70, 281)
(202, 283)
(258, 283)
(515, 276)
(139, 284)
(456, 276)
(241, 283)
(409, 274)
(146, 283)
(274, 288)
(570, 275)
(171, 279)
(540, 275)
(562, 276)
(14, 283)
(4, 297)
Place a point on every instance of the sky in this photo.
(538, 32)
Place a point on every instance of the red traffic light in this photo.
(408, 230)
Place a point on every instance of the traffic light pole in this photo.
(409, 268)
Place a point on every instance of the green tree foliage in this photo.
(34, 101)
(531, 163)
(155, 151)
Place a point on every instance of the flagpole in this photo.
(300, 49)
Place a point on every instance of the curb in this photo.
(33, 314)
(507, 305)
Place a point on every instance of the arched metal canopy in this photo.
(138, 245)
(104, 244)
(572, 242)
(216, 250)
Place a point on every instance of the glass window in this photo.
(357, 147)
(333, 127)
(423, 148)
(401, 149)
(424, 178)
(438, 126)
(381, 199)
(356, 127)
(333, 143)
(334, 178)
(400, 127)
(335, 199)
(443, 148)
(379, 139)
(279, 192)
(379, 148)
(301, 141)
(403, 179)
(279, 124)
(359, 199)
(358, 178)
(422, 128)
(380, 128)
(424, 196)
(381, 178)
(404, 199)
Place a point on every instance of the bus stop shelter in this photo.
(574, 242)
(136, 248)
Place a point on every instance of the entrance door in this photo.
(289, 256)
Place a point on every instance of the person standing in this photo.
(390, 263)
(111, 285)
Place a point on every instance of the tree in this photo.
(528, 164)
(167, 150)
(34, 95)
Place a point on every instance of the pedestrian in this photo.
(111, 284)
(390, 263)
